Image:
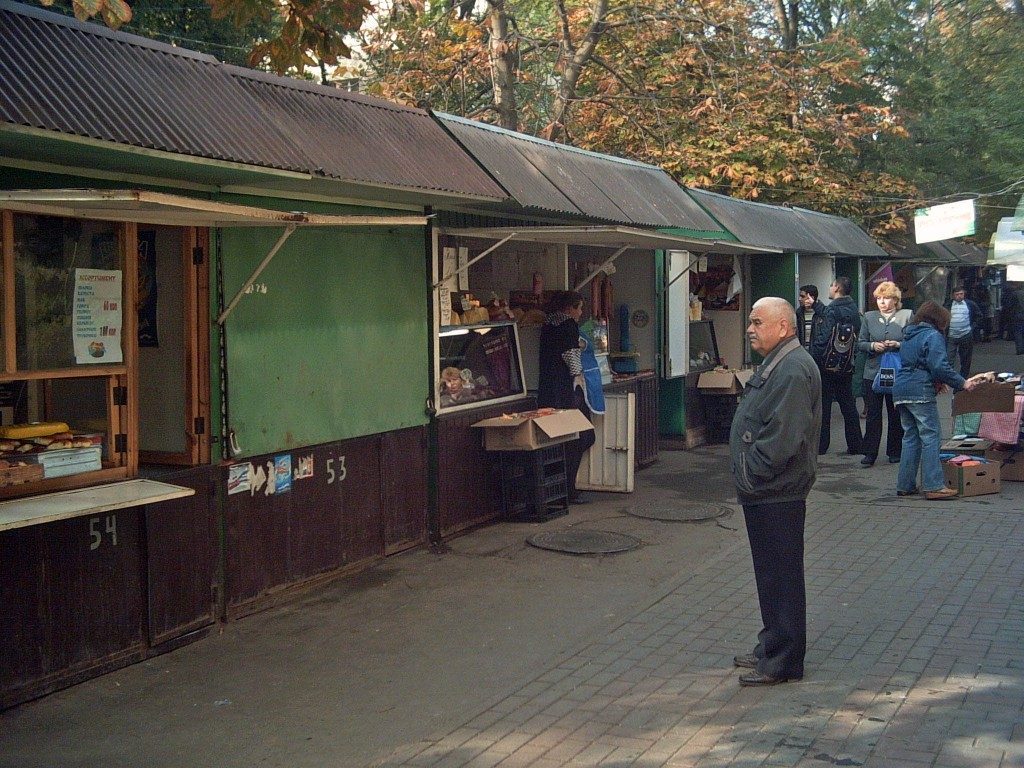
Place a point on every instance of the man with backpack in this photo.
(834, 349)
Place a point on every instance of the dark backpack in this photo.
(841, 349)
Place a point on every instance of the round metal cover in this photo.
(582, 542)
(676, 512)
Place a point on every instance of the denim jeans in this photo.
(921, 441)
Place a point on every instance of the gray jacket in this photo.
(874, 327)
(774, 437)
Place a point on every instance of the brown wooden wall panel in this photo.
(71, 601)
(337, 518)
(315, 529)
(257, 541)
(469, 486)
(362, 518)
(403, 458)
(182, 557)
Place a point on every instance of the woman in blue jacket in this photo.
(925, 370)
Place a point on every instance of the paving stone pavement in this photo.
(915, 654)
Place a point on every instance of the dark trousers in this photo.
(873, 424)
(1018, 335)
(776, 535)
(575, 449)
(838, 387)
(960, 350)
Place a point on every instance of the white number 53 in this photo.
(338, 476)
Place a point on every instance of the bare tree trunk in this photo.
(787, 13)
(571, 63)
(502, 55)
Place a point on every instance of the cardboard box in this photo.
(1011, 464)
(989, 397)
(969, 446)
(972, 481)
(528, 431)
(722, 381)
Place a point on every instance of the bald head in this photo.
(772, 321)
(777, 308)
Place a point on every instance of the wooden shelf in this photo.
(62, 505)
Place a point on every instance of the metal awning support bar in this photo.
(688, 268)
(927, 275)
(607, 263)
(256, 273)
(471, 262)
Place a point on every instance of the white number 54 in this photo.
(96, 533)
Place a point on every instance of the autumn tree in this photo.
(290, 34)
(957, 88)
(699, 89)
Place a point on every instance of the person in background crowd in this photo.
(1016, 296)
(772, 448)
(561, 383)
(881, 332)
(808, 314)
(837, 387)
(925, 370)
(964, 323)
(1007, 300)
(984, 302)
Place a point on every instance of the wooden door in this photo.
(173, 334)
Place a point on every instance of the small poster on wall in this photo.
(282, 479)
(147, 289)
(714, 288)
(444, 292)
(97, 316)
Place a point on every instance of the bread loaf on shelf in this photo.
(35, 429)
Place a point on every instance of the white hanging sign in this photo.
(96, 319)
(944, 222)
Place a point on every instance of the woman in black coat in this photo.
(561, 383)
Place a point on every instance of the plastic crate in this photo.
(533, 484)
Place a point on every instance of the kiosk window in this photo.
(48, 253)
(478, 363)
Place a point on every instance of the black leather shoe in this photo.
(912, 492)
(867, 461)
(579, 498)
(757, 678)
(747, 660)
(894, 459)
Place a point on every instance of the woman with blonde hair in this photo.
(880, 332)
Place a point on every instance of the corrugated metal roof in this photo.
(842, 236)
(967, 253)
(903, 248)
(82, 79)
(760, 223)
(543, 175)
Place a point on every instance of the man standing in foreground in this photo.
(773, 446)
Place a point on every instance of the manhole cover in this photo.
(679, 512)
(582, 542)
